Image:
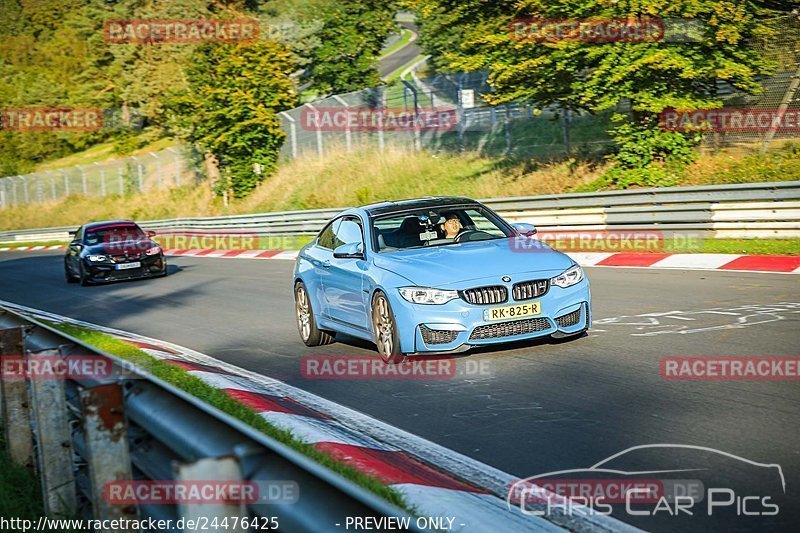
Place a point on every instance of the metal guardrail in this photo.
(78, 434)
(744, 210)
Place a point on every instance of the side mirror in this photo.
(353, 250)
(72, 234)
(523, 228)
(151, 234)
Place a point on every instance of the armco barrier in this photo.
(748, 210)
(78, 434)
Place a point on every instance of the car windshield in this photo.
(443, 226)
(114, 234)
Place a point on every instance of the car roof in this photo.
(91, 225)
(383, 208)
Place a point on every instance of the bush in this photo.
(647, 156)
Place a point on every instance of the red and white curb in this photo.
(786, 264)
(731, 262)
(436, 481)
(31, 248)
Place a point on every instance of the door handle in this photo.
(326, 263)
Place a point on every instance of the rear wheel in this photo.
(385, 329)
(306, 323)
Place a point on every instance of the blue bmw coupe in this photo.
(435, 275)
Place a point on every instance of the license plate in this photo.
(510, 312)
(125, 266)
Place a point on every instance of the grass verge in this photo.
(705, 246)
(405, 38)
(220, 400)
(343, 179)
(20, 495)
(20, 244)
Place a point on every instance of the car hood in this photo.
(451, 265)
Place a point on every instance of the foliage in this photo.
(350, 42)
(648, 156)
(649, 77)
(230, 108)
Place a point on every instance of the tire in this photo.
(83, 278)
(384, 328)
(306, 323)
(70, 278)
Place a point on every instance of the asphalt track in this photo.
(402, 56)
(533, 408)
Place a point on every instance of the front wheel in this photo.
(82, 277)
(385, 330)
(68, 275)
(306, 323)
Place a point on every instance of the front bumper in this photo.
(151, 266)
(457, 325)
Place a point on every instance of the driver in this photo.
(451, 226)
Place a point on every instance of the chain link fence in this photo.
(781, 94)
(519, 130)
(338, 122)
(171, 167)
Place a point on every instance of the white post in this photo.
(292, 132)
(158, 168)
(320, 150)
(177, 165)
(347, 134)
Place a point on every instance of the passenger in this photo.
(451, 226)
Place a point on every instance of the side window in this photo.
(326, 236)
(79, 234)
(346, 232)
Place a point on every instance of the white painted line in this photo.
(711, 261)
(589, 258)
(38, 247)
(248, 254)
(289, 254)
(796, 271)
(217, 253)
(316, 430)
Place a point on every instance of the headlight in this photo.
(154, 250)
(569, 277)
(425, 295)
(97, 258)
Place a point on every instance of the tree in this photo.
(229, 108)
(350, 41)
(595, 76)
